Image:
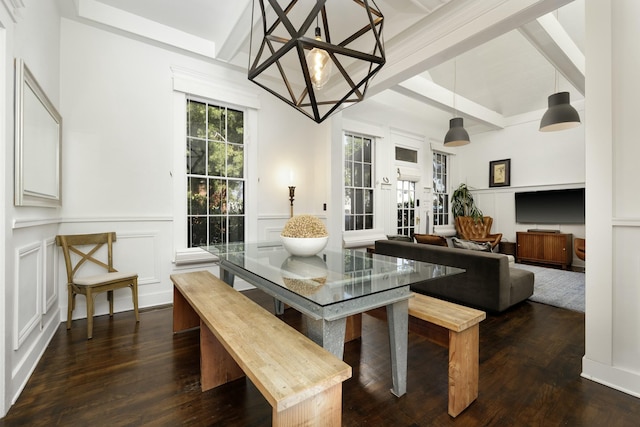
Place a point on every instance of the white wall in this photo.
(29, 296)
(121, 142)
(612, 341)
(539, 161)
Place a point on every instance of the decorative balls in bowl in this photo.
(304, 235)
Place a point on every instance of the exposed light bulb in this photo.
(319, 64)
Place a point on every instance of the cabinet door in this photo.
(530, 246)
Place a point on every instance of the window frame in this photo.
(435, 175)
(366, 212)
(205, 87)
(209, 177)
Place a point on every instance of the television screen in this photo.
(550, 207)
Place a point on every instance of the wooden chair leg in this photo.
(134, 295)
(110, 298)
(89, 296)
(70, 305)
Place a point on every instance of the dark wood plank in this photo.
(144, 375)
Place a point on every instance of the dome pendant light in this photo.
(457, 135)
(560, 115)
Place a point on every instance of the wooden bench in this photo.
(456, 327)
(301, 381)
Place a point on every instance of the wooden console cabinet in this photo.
(545, 248)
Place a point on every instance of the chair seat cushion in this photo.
(104, 278)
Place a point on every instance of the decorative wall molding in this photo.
(34, 222)
(38, 222)
(152, 272)
(50, 272)
(26, 292)
(213, 87)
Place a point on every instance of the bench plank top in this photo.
(452, 316)
(292, 370)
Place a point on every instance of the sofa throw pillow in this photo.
(467, 244)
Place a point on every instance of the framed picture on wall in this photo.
(500, 173)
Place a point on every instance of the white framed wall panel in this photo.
(626, 296)
(49, 288)
(27, 307)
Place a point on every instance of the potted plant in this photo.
(462, 203)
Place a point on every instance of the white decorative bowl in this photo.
(304, 246)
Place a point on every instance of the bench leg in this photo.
(463, 368)
(353, 330)
(184, 316)
(217, 367)
(323, 409)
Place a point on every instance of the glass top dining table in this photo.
(331, 286)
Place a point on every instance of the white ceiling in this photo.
(510, 73)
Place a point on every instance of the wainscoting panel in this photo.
(138, 251)
(50, 290)
(26, 293)
(626, 297)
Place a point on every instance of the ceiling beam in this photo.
(239, 35)
(428, 92)
(552, 41)
(133, 24)
(452, 29)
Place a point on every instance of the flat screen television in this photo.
(550, 206)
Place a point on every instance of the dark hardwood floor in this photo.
(143, 375)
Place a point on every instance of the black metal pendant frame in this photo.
(306, 99)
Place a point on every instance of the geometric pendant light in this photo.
(317, 56)
(457, 135)
(560, 115)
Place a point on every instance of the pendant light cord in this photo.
(455, 78)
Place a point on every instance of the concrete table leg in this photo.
(398, 315)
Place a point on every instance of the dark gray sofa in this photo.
(488, 283)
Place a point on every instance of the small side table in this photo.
(507, 248)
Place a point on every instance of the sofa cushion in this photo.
(468, 244)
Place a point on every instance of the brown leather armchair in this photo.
(477, 231)
(580, 246)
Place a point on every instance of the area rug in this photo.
(556, 287)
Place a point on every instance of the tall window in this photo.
(215, 174)
(358, 182)
(406, 198)
(440, 189)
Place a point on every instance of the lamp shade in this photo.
(560, 115)
(457, 135)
